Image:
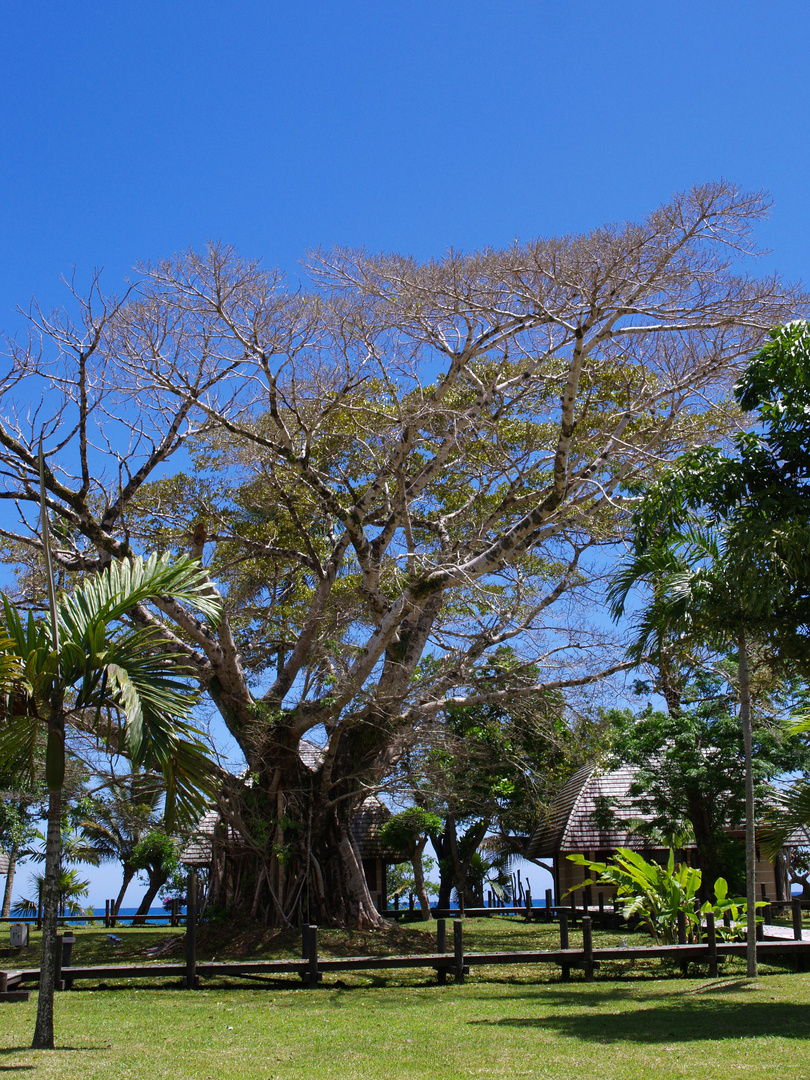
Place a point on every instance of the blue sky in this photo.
(133, 131)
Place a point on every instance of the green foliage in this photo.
(105, 669)
(689, 764)
(399, 878)
(71, 887)
(654, 895)
(402, 831)
(156, 853)
(726, 538)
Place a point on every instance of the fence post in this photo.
(458, 949)
(564, 968)
(796, 911)
(107, 914)
(549, 905)
(190, 980)
(312, 957)
(304, 949)
(528, 901)
(68, 941)
(682, 939)
(587, 945)
(57, 971)
(441, 947)
(711, 941)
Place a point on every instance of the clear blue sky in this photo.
(132, 131)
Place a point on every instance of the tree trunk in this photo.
(340, 885)
(419, 879)
(445, 844)
(750, 835)
(43, 1031)
(710, 857)
(12, 868)
(156, 881)
(129, 874)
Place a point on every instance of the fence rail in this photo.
(311, 967)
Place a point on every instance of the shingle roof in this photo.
(197, 851)
(577, 820)
(366, 826)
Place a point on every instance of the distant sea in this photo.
(154, 912)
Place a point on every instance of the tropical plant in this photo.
(76, 848)
(156, 855)
(399, 881)
(724, 543)
(407, 833)
(655, 895)
(652, 894)
(116, 821)
(72, 889)
(89, 668)
(689, 761)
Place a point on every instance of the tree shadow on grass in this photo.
(8, 1050)
(680, 1020)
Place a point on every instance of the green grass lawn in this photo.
(637, 1022)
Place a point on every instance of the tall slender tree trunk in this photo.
(155, 883)
(43, 1030)
(12, 869)
(750, 834)
(128, 876)
(419, 879)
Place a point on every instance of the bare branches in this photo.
(395, 474)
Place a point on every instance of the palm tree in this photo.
(117, 822)
(89, 668)
(725, 541)
(76, 848)
(696, 601)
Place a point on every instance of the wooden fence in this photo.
(311, 967)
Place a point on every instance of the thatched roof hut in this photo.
(594, 814)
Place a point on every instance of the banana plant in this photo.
(654, 895)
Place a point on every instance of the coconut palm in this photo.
(118, 821)
(696, 601)
(89, 668)
(76, 848)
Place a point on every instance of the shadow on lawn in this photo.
(684, 1019)
(7, 1050)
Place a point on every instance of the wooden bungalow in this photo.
(218, 849)
(594, 814)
